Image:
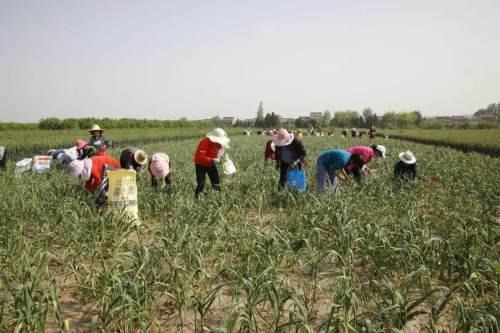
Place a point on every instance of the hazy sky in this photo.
(197, 59)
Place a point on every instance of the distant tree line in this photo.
(86, 123)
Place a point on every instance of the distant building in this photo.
(316, 115)
(229, 120)
(486, 116)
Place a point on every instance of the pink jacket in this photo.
(366, 153)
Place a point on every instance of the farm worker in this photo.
(299, 134)
(372, 132)
(367, 153)
(160, 169)
(97, 140)
(354, 133)
(344, 132)
(269, 151)
(3, 158)
(290, 153)
(92, 169)
(331, 163)
(133, 159)
(207, 157)
(406, 168)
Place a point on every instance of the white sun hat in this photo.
(407, 157)
(381, 149)
(219, 136)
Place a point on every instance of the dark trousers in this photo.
(283, 174)
(168, 180)
(213, 174)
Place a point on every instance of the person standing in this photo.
(207, 157)
(290, 153)
(331, 165)
(133, 159)
(406, 168)
(98, 141)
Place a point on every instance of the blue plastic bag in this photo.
(297, 180)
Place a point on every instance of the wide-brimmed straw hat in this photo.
(140, 156)
(159, 166)
(219, 136)
(407, 157)
(95, 128)
(282, 138)
(381, 149)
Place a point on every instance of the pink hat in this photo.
(79, 143)
(282, 138)
(159, 166)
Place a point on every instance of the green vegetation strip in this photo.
(486, 141)
(27, 143)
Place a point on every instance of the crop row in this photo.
(376, 257)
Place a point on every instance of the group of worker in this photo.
(288, 151)
(89, 160)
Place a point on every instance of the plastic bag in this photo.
(41, 163)
(22, 165)
(228, 166)
(122, 194)
(297, 180)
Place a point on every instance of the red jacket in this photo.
(269, 153)
(98, 164)
(206, 152)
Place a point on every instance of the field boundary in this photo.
(465, 147)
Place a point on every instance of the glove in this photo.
(216, 161)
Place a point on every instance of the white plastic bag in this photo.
(41, 163)
(229, 167)
(22, 165)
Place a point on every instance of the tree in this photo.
(418, 118)
(259, 121)
(217, 121)
(368, 117)
(345, 118)
(326, 118)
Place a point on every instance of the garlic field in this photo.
(377, 257)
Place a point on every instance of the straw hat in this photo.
(381, 149)
(407, 157)
(282, 138)
(140, 156)
(219, 136)
(159, 166)
(95, 128)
